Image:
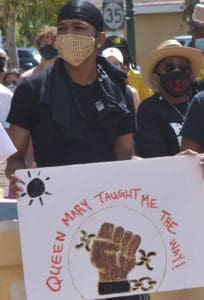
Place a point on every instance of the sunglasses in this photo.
(11, 82)
(169, 67)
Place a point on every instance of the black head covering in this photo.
(120, 43)
(83, 10)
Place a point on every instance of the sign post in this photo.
(130, 27)
(113, 14)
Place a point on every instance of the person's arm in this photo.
(193, 128)
(21, 118)
(190, 144)
(20, 138)
(124, 147)
(136, 97)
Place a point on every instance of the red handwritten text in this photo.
(104, 197)
(132, 194)
(168, 222)
(54, 282)
(148, 201)
(178, 260)
(77, 210)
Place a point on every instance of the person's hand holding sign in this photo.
(113, 253)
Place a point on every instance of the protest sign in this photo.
(112, 229)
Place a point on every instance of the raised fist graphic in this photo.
(113, 252)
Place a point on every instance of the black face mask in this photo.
(48, 52)
(175, 84)
(2, 63)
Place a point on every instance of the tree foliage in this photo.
(20, 20)
(30, 15)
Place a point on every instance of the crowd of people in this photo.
(146, 121)
(88, 102)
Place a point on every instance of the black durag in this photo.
(83, 10)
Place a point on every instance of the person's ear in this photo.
(155, 80)
(100, 40)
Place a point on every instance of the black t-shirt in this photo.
(51, 148)
(193, 127)
(159, 126)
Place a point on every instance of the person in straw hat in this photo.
(170, 71)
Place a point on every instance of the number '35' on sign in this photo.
(113, 15)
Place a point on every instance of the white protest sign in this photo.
(6, 146)
(112, 229)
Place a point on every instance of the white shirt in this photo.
(5, 102)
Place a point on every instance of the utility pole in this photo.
(130, 27)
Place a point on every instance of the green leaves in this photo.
(29, 15)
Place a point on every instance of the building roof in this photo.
(159, 6)
(160, 2)
(151, 6)
(146, 2)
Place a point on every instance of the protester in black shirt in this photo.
(193, 128)
(75, 110)
(170, 70)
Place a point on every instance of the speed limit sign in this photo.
(113, 14)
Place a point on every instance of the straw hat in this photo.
(167, 49)
(198, 13)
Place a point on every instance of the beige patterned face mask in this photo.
(73, 48)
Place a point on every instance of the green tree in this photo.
(34, 14)
(22, 19)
